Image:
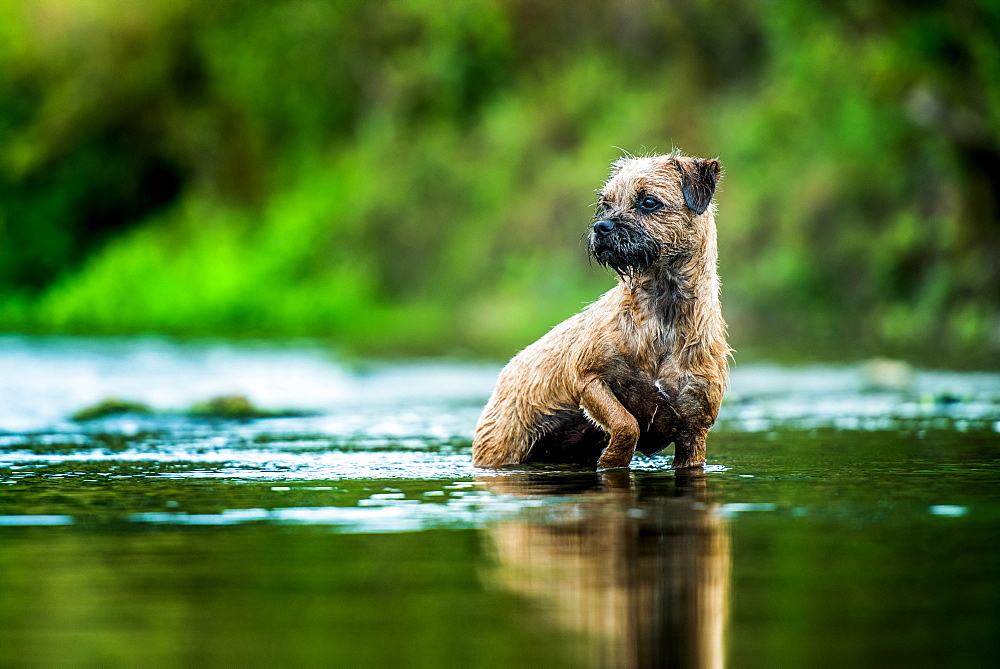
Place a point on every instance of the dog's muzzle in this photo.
(624, 247)
(605, 227)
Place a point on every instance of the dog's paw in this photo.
(613, 463)
(687, 464)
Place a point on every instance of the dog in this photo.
(645, 365)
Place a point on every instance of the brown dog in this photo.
(646, 364)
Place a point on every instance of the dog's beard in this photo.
(626, 250)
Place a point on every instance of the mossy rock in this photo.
(237, 407)
(110, 407)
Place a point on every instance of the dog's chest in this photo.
(649, 340)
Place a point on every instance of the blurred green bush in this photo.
(417, 176)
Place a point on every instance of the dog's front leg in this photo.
(603, 408)
(698, 406)
(689, 447)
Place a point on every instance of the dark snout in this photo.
(625, 247)
(605, 227)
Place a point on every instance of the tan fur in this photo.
(647, 362)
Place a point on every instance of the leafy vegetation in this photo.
(414, 177)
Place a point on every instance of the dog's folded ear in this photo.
(698, 180)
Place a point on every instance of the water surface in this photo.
(848, 515)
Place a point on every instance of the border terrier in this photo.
(645, 365)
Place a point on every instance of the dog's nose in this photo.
(604, 227)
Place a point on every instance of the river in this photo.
(848, 514)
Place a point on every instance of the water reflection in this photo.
(638, 565)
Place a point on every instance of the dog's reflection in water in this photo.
(636, 564)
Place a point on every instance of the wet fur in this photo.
(645, 365)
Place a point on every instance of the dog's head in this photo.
(652, 210)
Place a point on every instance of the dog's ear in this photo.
(698, 180)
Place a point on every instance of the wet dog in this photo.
(645, 365)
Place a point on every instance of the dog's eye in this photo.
(649, 204)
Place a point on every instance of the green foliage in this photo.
(409, 176)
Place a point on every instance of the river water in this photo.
(848, 515)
